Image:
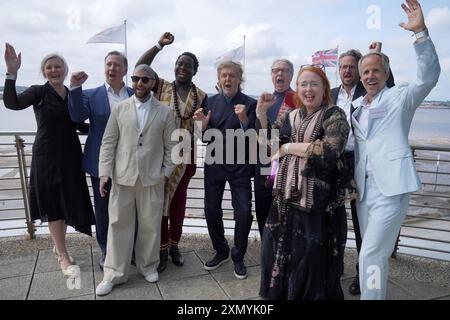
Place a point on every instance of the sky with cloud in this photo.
(292, 29)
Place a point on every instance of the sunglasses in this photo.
(320, 66)
(144, 80)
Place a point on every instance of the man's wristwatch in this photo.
(421, 34)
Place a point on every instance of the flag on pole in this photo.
(326, 57)
(111, 35)
(236, 55)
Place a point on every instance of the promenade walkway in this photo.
(29, 271)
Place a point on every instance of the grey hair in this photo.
(146, 69)
(384, 61)
(55, 56)
(289, 63)
(231, 64)
(351, 53)
(121, 55)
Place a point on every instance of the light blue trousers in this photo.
(380, 219)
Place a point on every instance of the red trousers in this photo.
(171, 234)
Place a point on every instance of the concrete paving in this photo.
(29, 271)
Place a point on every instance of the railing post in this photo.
(25, 187)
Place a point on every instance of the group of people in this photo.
(329, 143)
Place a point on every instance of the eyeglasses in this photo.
(348, 67)
(320, 66)
(282, 70)
(144, 80)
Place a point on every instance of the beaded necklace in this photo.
(175, 101)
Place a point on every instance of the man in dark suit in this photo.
(96, 105)
(233, 112)
(343, 96)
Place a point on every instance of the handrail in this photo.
(432, 200)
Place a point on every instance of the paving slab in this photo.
(14, 266)
(192, 267)
(238, 289)
(53, 285)
(14, 288)
(194, 288)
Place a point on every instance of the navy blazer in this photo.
(223, 118)
(92, 104)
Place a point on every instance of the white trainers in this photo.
(104, 288)
(152, 277)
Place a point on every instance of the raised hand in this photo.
(265, 101)
(78, 78)
(200, 116)
(12, 60)
(375, 47)
(241, 111)
(166, 39)
(416, 22)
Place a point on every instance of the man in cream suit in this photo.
(136, 155)
(384, 164)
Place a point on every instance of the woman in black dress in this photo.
(58, 189)
(305, 232)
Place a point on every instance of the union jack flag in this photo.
(326, 57)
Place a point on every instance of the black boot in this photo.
(163, 257)
(177, 258)
(354, 288)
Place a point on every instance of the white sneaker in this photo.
(104, 288)
(152, 277)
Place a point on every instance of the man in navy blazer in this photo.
(230, 111)
(96, 105)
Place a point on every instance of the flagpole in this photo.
(244, 60)
(337, 68)
(126, 50)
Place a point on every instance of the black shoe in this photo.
(177, 258)
(101, 261)
(133, 259)
(163, 257)
(216, 261)
(354, 288)
(240, 271)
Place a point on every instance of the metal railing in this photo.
(425, 231)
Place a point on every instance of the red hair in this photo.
(327, 93)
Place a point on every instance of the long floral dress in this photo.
(305, 232)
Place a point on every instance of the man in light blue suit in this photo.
(96, 104)
(384, 164)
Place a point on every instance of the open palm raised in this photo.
(12, 60)
(416, 22)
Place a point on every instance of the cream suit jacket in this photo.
(127, 153)
(385, 146)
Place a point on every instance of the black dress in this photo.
(58, 188)
(303, 248)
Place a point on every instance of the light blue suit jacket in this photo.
(385, 145)
(92, 104)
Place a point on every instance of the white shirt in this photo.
(344, 101)
(364, 114)
(142, 110)
(114, 98)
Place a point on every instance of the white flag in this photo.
(110, 35)
(236, 55)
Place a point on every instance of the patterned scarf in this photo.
(291, 186)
